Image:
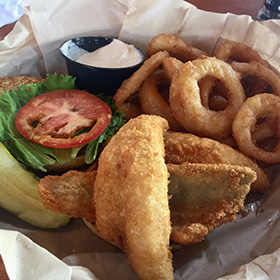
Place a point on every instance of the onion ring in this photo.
(185, 98)
(130, 110)
(132, 84)
(240, 52)
(234, 51)
(170, 66)
(217, 102)
(153, 103)
(212, 93)
(254, 68)
(259, 106)
(175, 46)
(253, 85)
(205, 85)
(230, 141)
(264, 131)
(264, 135)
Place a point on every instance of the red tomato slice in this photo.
(55, 119)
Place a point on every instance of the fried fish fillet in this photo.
(205, 196)
(186, 147)
(131, 196)
(70, 193)
(14, 81)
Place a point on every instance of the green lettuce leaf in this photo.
(32, 154)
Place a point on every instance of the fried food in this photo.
(132, 84)
(206, 85)
(175, 46)
(130, 110)
(205, 196)
(13, 82)
(264, 130)
(152, 101)
(130, 203)
(261, 106)
(256, 69)
(70, 193)
(205, 93)
(131, 196)
(185, 101)
(170, 66)
(209, 180)
(235, 51)
(213, 93)
(186, 147)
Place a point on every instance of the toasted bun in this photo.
(8, 83)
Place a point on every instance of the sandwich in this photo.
(47, 126)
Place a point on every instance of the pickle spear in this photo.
(19, 194)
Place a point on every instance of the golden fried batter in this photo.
(70, 193)
(186, 147)
(205, 196)
(131, 196)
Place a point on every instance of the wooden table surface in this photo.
(248, 7)
(239, 7)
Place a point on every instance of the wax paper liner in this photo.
(244, 249)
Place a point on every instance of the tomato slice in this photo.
(63, 118)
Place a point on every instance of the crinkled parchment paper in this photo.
(244, 249)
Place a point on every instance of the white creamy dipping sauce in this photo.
(117, 54)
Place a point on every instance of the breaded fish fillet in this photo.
(131, 196)
(70, 193)
(205, 196)
(186, 147)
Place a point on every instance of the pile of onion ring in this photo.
(232, 96)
